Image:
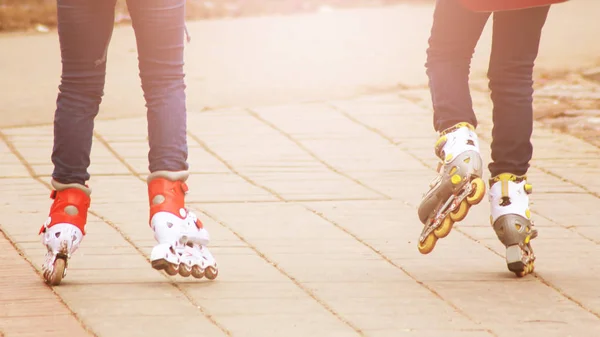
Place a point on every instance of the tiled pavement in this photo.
(312, 211)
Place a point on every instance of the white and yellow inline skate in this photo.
(511, 219)
(457, 187)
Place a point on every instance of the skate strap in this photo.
(439, 147)
(173, 193)
(71, 197)
(504, 178)
(456, 127)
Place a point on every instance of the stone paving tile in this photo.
(316, 252)
(395, 237)
(28, 299)
(592, 233)
(323, 185)
(539, 312)
(427, 333)
(353, 148)
(278, 324)
(408, 186)
(545, 183)
(549, 263)
(158, 325)
(38, 157)
(11, 166)
(62, 325)
(569, 209)
(244, 152)
(389, 305)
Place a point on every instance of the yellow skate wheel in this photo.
(478, 192)
(55, 277)
(531, 267)
(171, 269)
(521, 273)
(444, 229)
(211, 273)
(427, 246)
(461, 212)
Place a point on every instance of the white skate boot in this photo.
(181, 237)
(457, 187)
(64, 229)
(511, 219)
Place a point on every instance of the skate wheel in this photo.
(55, 277)
(530, 267)
(211, 273)
(427, 246)
(521, 273)
(172, 269)
(184, 270)
(444, 229)
(478, 192)
(461, 212)
(197, 272)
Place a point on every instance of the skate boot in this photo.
(64, 229)
(457, 187)
(511, 219)
(181, 237)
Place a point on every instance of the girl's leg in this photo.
(454, 34)
(84, 28)
(515, 47)
(160, 32)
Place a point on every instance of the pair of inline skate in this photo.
(459, 186)
(181, 237)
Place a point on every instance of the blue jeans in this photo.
(85, 28)
(515, 44)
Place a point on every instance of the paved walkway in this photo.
(312, 210)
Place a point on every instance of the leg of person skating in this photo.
(160, 33)
(84, 28)
(454, 35)
(514, 50)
